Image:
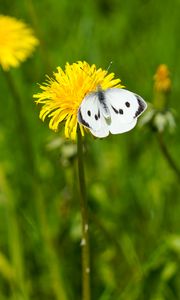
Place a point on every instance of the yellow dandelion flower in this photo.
(16, 42)
(162, 79)
(62, 95)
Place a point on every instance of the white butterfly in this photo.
(113, 111)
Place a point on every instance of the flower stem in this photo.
(167, 155)
(85, 226)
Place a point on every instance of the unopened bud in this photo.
(162, 86)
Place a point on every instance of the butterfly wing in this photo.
(124, 107)
(90, 115)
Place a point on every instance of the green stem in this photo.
(167, 155)
(85, 225)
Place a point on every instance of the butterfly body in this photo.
(113, 111)
(100, 94)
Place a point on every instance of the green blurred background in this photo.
(133, 193)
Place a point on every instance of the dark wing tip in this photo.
(142, 106)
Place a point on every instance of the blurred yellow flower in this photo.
(16, 42)
(162, 81)
(159, 116)
(62, 95)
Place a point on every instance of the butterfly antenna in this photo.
(110, 64)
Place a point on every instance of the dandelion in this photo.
(62, 95)
(17, 42)
(61, 98)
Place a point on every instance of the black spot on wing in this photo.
(141, 106)
(120, 111)
(98, 114)
(115, 110)
(81, 120)
(97, 117)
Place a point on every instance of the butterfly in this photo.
(114, 110)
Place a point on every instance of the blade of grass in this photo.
(19, 289)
